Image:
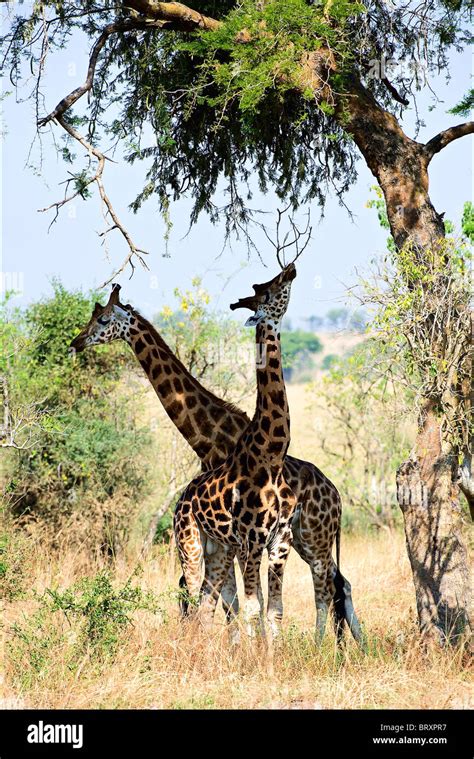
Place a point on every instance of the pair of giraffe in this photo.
(250, 495)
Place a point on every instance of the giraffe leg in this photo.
(230, 599)
(322, 584)
(254, 607)
(189, 544)
(277, 558)
(218, 561)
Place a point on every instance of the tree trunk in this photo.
(429, 499)
(428, 483)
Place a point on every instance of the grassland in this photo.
(82, 653)
(159, 662)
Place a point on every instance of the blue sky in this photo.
(72, 249)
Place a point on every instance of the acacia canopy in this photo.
(236, 90)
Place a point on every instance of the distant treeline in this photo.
(335, 319)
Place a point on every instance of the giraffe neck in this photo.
(268, 435)
(210, 426)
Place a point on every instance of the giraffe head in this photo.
(107, 323)
(271, 298)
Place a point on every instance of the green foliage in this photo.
(239, 102)
(423, 325)
(215, 348)
(298, 349)
(258, 48)
(329, 361)
(468, 221)
(103, 611)
(164, 529)
(226, 108)
(82, 454)
(88, 621)
(465, 106)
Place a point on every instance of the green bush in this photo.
(87, 622)
(82, 457)
(101, 610)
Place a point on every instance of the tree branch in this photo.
(175, 16)
(75, 95)
(444, 138)
(134, 251)
(394, 92)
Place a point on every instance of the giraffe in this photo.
(244, 505)
(212, 427)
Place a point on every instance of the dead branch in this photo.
(300, 240)
(173, 16)
(75, 95)
(442, 139)
(134, 251)
(57, 115)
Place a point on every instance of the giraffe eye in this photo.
(103, 320)
(267, 297)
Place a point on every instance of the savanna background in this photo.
(88, 566)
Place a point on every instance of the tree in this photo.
(337, 318)
(423, 327)
(287, 92)
(298, 347)
(315, 322)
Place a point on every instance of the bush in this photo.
(102, 611)
(81, 466)
(329, 361)
(87, 622)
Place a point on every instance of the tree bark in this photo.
(429, 499)
(428, 483)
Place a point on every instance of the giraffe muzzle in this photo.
(78, 344)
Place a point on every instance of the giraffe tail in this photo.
(339, 598)
(339, 606)
(342, 607)
(183, 597)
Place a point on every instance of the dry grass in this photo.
(163, 663)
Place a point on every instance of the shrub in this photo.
(87, 622)
(82, 464)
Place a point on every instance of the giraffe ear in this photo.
(255, 319)
(120, 313)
